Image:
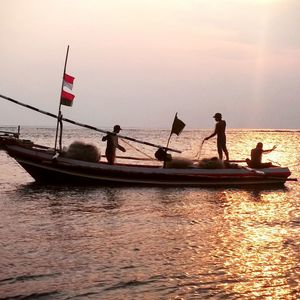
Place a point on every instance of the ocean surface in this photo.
(93, 242)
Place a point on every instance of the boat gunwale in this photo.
(45, 157)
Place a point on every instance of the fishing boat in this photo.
(46, 165)
(50, 165)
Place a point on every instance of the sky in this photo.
(138, 62)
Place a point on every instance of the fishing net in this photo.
(82, 151)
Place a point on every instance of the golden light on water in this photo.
(254, 245)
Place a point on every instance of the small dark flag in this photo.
(177, 126)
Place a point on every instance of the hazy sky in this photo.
(138, 62)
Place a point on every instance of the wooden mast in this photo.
(59, 115)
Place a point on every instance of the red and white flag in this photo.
(66, 98)
(68, 81)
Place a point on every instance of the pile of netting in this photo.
(205, 163)
(210, 163)
(82, 151)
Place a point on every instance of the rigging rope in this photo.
(198, 154)
(138, 150)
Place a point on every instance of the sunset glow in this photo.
(174, 55)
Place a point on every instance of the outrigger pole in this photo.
(85, 125)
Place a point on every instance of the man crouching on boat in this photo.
(256, 157)
(112, 145)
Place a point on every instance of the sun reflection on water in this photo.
(254, 244)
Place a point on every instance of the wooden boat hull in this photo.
(39, 163)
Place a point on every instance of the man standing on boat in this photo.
(221, 136)
(112, 145)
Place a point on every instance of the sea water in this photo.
(93, 242)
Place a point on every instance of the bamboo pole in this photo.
(86, 125)
(59, 106)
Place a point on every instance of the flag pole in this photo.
(59, 115)
(177, 127)
(169, 142)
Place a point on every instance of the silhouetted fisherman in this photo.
(256, 157)
(221, 136)
(112, 145)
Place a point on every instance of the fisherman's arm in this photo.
(121, 148)
(212, 135)
(269, 150)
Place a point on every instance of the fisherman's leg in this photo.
(110, 157)
(266, 165)
(220, 151)
(226, 152)
(249, 162)
(110, 160)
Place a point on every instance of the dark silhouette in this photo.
(112, 145)
(221, 136)
(256, 157)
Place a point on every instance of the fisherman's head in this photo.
(217, 116)
(259, 145)
(117, 128)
